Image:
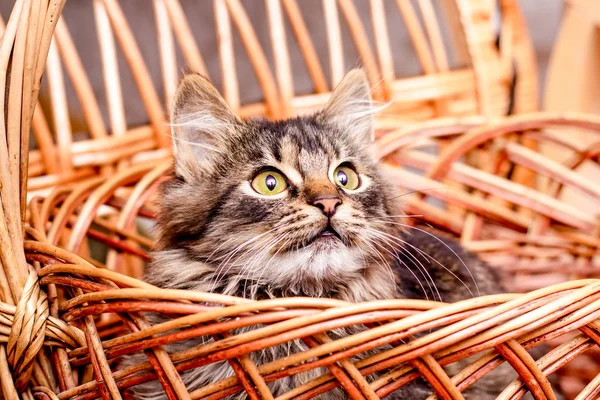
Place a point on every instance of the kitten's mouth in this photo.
(326, 236)
(329, 231)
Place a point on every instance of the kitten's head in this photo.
(295, 205)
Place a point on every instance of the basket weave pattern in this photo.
(68, 313)
(536, 237)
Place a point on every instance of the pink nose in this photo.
(327, 204)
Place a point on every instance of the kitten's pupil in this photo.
(342, 178)
(271, 182)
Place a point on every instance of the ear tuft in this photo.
(350, 106)
(201, 121)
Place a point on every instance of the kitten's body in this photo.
(166, 268)
(318, 238)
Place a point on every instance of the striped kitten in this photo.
(262, 209)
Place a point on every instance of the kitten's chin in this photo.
(324, 259)
(326, 242)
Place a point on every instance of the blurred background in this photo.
(543, 20)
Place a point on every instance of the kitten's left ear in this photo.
(350, 106)
(201, 122)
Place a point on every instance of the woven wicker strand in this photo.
(25, 44)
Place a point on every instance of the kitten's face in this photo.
(289, 203)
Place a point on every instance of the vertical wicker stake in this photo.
(23, 50)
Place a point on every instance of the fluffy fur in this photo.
(217, 234)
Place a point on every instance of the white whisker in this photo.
(273, 256)
(255, 259)
(421, 191)
(386, 265)
(196, 144)
(224, 263)
(436, 261)
(414, 259)
(397, 216)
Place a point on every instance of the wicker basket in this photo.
(68, 312)
(530, 235)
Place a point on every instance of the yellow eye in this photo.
(269, 183)
(346, 177)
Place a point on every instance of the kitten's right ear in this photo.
(201, 120)
(350, 106)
